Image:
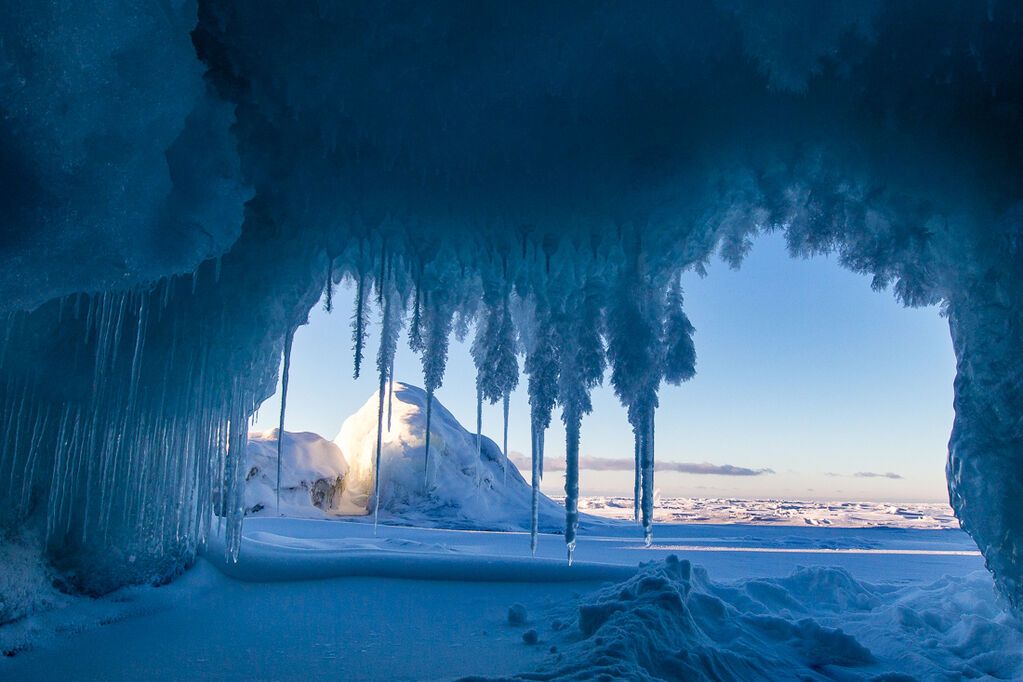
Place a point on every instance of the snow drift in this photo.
(312, 475)
(672, 622)
(459, 490)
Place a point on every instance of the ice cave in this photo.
(182, 182)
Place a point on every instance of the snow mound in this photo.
(671, 622)
(313, 473)
(463, 490)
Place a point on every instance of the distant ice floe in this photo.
(922, 515)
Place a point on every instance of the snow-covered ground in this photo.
(314, 599)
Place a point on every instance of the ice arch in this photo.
(577, 155)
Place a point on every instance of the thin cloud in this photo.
(874, 474)
(868, 474)
(613, 464)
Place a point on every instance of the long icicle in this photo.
(328, 303)
(288, 339)
(388, 340)
(507, 400)
(534, 516)
(479, 430)
(380, 436)
(426, 456)
(390, 393)
(359, 327)
(572, 427)
(637, 481)
(648, 479)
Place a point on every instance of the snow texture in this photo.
(312, 475)
(930, 615)
(672, 622)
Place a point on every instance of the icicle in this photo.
(536, 452)
(390, 394)
(648, 479)
(380, 441)
(637, 481)
(507, 400)
(382, 282)
(359, 322)
(436, 326)
(426, 456)
(415, 332)
(540, 453)
(572, 426)
(385, 358)
(479, 430)
(136, 358)
(328, 303)
(288, 339)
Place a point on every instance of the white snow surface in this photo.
(671, 621)
(328, 598)
(313, 471)
(464, 491)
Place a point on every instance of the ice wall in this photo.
(985, 471)
(539, 172)
(117, 164)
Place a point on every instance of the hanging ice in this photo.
(285, 368)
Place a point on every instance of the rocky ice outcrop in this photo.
(312, 475)
(457, 489)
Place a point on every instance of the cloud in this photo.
(867, 474)
(614, 464)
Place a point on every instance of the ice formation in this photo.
(466, 165)
(465, 490)
(304, 470)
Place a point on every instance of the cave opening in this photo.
(184, 183)
(787, 402)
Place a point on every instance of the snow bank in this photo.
(462, 491)
(26, 581)
(312, 475)
(670, 621)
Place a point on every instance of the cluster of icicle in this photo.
(125, 428)
(125, 413)
(568, 316)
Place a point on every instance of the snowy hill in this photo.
(463, 491)
(312, 475)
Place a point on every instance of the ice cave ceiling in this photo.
(180, 182)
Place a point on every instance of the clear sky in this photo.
(802, 369)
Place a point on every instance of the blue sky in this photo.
(802, 369)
